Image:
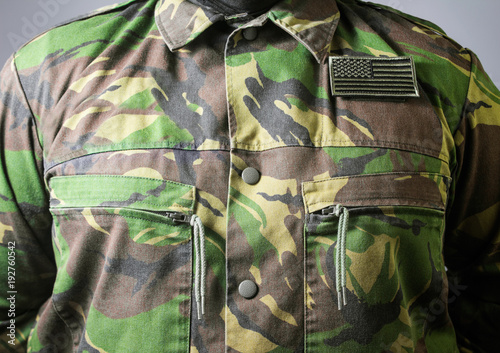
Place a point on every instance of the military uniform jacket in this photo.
(176, 180)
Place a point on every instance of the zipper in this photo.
(177, 217)
(200, 256)
(340, 277)
(329, 211)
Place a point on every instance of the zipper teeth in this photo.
(174, 216)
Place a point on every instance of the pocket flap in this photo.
(388, 189)
(120, 191)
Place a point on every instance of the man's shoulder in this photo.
(77, 35)
(390, 28)
(442, 66)
(411, 18)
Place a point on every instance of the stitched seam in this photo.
(435, 204)
(181, 43)
(133, 146)
(90, 206)
(64, 321)
(306, 312)
(107, 199)
(402, 199)
(379, 175)
(56, 224)
(227, 147)
(371, 143)
(120, 176)
(77, 216)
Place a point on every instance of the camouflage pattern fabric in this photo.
(113, 120)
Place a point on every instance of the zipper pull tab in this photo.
(178, 217)
(328, 211)
(333, 210)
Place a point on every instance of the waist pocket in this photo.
(392, 225)
(124, 257)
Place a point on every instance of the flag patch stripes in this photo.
(366, 77)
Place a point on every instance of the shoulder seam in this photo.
(417, 20)
(23, 91)
(98, 12)
(464, 117)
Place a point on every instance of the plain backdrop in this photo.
(475, 24)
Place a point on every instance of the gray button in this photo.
(248, 289)
(250, 33)
(251, 176)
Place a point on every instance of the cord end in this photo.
(199, 310)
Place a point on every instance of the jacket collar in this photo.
(311, 22)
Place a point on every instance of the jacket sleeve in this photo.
(27, 268)
(472, 241)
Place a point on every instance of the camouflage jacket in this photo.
(173, 180)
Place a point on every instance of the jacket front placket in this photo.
(273, 64)
(271, 69)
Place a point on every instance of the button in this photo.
(248, 289)
(251, 176)
(250, 33)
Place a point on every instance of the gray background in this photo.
(474, 24)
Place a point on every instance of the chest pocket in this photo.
(123, 262)
(392, 260)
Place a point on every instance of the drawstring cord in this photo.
(201, 266)
(200, 255)
(340, 279)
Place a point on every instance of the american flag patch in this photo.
(370, 77)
